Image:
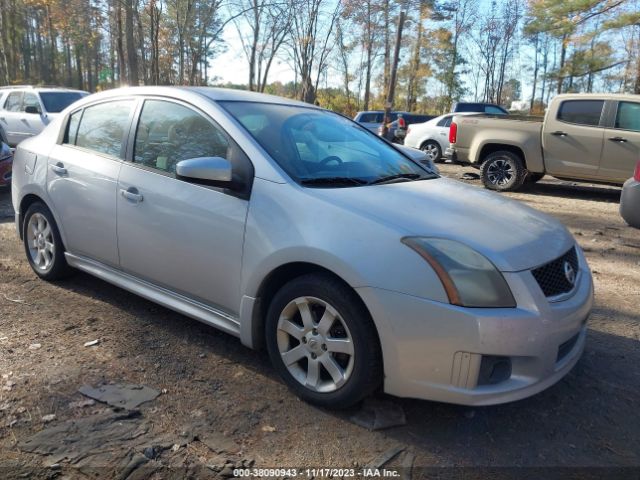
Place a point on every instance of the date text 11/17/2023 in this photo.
(316, 472)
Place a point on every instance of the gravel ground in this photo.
(222, 406)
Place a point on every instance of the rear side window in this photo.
(445, 122)
(13, 102)
(102, 127)
(581, 112)
(72, 128)
(628, 116)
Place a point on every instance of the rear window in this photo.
(581, 112)
(55, 102)
(370, 118)
(469, 107)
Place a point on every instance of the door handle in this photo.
(131, 194)
(560, 133)
(618, 139)
(59, 168)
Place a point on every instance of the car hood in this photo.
(512, 235)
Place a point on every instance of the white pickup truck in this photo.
(583, 137)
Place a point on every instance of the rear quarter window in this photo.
(581, 112)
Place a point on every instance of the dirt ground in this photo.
(222, 406)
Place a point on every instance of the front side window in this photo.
(168, 133)
(628, 116)
(322, 148)
(581, 112)
(30, 100)
(103, 126)
(13, 102)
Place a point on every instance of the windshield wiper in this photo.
(398, 176)
(333, 181)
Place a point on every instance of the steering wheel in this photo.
(331, 158)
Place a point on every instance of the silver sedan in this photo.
(288, 226)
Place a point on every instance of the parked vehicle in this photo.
(630, 199)
(25, 110)
(288, 225)
(6, 161)
(397, 130)
(584, 137)
(371, 120)
(488, 108)
(431, 137)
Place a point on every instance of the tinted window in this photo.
(168, 133)
(30, 100)
(55, 102)
(445, 122)
(469, 107)
(315, 145)
(628, 116)
(72, 128)
(494, 110)
(102, 127)
(419, 118)
(13, 102)
(371, 118)
(582, 112)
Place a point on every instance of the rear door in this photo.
(572, 140)
(179, 235)
(83, 174)
(622, 142)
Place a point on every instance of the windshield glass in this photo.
(320, 148)
(55, 102)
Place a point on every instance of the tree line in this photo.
(341, 52)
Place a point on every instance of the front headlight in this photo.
(469, 278)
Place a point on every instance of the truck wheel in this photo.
(503, 171)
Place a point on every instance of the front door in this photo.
(182, 236)
(622, 144)
(573, 140)
(82, 178)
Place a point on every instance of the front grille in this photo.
(552, 277)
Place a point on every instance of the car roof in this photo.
(29, 88)
(213, 93)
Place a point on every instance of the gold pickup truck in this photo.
(583, 137)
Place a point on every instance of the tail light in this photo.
(453, 132)
(402, 123)
(636, 174)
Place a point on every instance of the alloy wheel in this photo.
(315, 344)
(40, 242)
(432, 151)
(500, 172)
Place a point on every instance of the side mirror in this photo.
(32, 109)
(214, 171)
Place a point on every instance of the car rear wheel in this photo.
(323, 342)
(433, 151)
(43, 244)
(503, 171)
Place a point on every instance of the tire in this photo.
(42, 243)
(503, 171)
(433, 151)
(348, 347)
(534, 177)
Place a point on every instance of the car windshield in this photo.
(55, 102)
(323, 149)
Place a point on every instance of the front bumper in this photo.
(630, 202)
(433, 350)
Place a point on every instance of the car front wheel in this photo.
(43, 244)
(322, 342)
